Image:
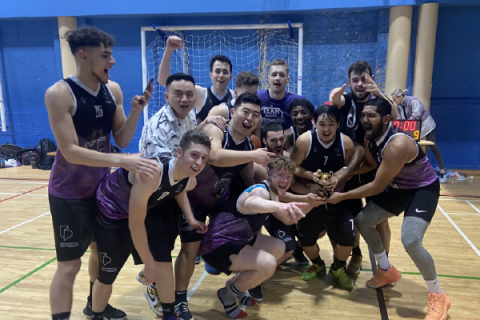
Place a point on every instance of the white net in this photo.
(249, 50)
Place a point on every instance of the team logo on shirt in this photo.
(180, 188)
(166, 193)
(337, 152)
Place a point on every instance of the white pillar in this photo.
(398, 48)
(427, 32)
(66, 24)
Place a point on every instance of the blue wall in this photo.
(30, 63)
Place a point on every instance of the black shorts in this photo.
(337, 219)
(115, 243)
(278, 230)
(220, 257)
(72, 225)
(420, 203)
(356, 205)
(187, 233)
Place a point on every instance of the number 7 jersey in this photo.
(326, 157)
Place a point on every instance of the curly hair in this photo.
(281, 162)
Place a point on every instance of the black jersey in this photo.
(92, 116)
(324, 157)
(211, 101)
(113, 194)
(215, 181)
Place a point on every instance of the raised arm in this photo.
(124, 128)
(142, 189)
(220, 157)
(336, 96)
(59, 102)
(371, 87)
(173, 43)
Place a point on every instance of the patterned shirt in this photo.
(162, 133)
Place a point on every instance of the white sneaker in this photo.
(442, 178)
(151, 295)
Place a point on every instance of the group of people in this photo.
(199, 176)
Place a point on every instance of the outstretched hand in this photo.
(336, 93)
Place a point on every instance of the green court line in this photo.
(27, 275)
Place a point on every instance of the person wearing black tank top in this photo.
(84, 111)
(322, 152)
(301, 112)
(126, 224)
(220, 73)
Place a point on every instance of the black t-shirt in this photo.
(350, 120)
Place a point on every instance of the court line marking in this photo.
(459, 231)
(21, 224)
(197, 284)
(467, 214)
(476, 209)
(27, 275)
(17, 182)
(22, 193)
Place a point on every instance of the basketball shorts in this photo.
(115, 243)
(220, 257)
(356, 205)
(337, 219)
(187, 233)
(421, 202)
(278, 230)
(72, 225)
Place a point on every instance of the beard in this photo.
(376, 131)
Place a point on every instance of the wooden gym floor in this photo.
(27, 265)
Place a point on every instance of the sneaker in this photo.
(355, 265)
(198, 258)
(442, 178)
(314, 271)
(181, 309)
(382, 278)
(109, 313)
(438, 306)
(153, 299)
(340, 275)
(211, 270)
(300, 258)
(141, 277)
(256, 293)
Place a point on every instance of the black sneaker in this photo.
(109, 313)
(181, 309)
(300, 258)
(256, 293)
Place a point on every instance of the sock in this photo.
(180, 296)
(382, 260)
(357, 252)
(97, 316)
(91, 293)
(317, 261)
(245, 299)
(433, 286)
(337, 264)
(228, 297)
(168, 310)
(61, 316)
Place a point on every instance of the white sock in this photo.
(433, 286)
(382, 260)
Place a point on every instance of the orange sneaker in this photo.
(382, 278)
(438, 306)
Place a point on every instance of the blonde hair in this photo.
(281, 162)
(399, 92)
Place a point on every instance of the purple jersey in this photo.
(92, 117)
(416, 173)
(276, 110)
(113, 193)
(232, 225)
